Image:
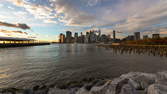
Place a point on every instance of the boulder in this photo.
(128, 89)
(58, 91)
(140, 81)
(161, 77)
(157, 89)
(83, 91)
(40, 90)
(111, 87)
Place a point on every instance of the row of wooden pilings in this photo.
(153, 50)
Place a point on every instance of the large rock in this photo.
(131, 83)
(161, 77)
(40, 90)
(141, 81)
(157, 89)
(111, 87)
(83, 91)
(58, 91)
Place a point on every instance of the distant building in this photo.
(137, 35)
(155, 36)
(81, 38)
(98, 35)
(62, 38)
(104, 38)
(145, 37)
(130, 38)
(76, 37)
(93, 36)
(68, 37)
(87, 37)
(114, 35)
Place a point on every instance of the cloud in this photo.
(123, 15)
(93, 2)
(50, 21)
(73, 16)
(150, 18)
(19, 32)
(63, 10)
(22, 26)
(39, 11)
(7, 33)
(163, 31)
(1, 5)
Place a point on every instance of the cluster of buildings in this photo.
(92, 36)
(137, 36)
(95, 36)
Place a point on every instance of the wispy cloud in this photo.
(123, 15)
(22, 26)
(148, 19)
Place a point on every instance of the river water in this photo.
(25, 67)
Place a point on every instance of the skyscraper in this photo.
(68, 37)
(76, 37)
(155, 36)
(87, 37)
(145, 37)
(62, 38)
(114, 35)
(137, 35)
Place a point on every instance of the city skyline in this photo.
(49, 18)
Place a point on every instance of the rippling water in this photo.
(28, 66)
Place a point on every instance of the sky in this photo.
(49, 18)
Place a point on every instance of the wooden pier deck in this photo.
(21, 44)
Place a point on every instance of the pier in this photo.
(19, 42)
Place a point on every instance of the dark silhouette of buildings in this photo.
(104, 38)
(92, 36)
(155, 36)
(114, 35)
(76, 37)
(145, 37)
(129, 38)
(68, 37)
(137, 35)
(62, 38)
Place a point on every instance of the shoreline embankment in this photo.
(130, 83)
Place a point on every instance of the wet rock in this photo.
(28, 91)
(161, 77)
(58, 91)
(111, 87)
(40, 90)
(83, 91)
(11, 91)
(157, 89)
(140, 81)
(128, 89)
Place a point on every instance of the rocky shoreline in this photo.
(131, 83)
